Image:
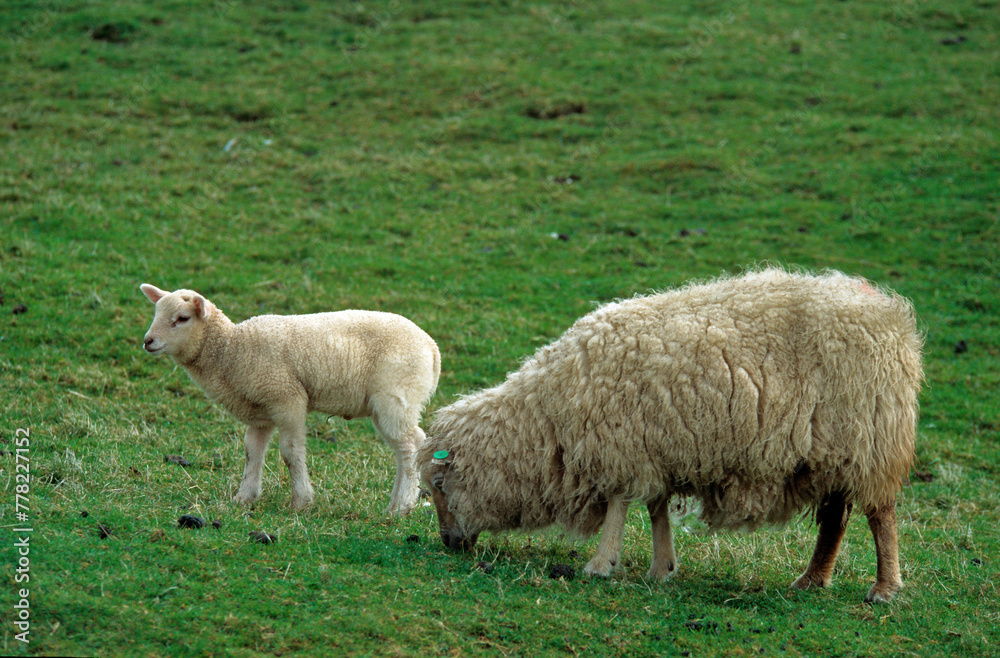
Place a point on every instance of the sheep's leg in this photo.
(292, 441)
(255, 441)
(888, 582)
(832, 519)
(398, 427)
(609, 549)
(664, 558)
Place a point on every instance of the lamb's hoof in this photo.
(245, 499)
(809, 581)
(302, 497)
(400, 505)
(398, 510)
(599, 566)
(661, 571)
(302, 503)
(883, 592)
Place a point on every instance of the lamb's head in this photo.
(447, 491)
(179, 323)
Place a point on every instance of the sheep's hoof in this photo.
(599, 566)
(810, 580)
(661, 571)
(883, 592)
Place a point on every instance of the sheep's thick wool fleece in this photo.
(758, 395)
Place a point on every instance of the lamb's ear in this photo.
(152, 293)
(201, 307)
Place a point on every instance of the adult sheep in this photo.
(758, 395)
(270, 371)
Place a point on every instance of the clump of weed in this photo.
(115, 32)
(951, 475)
(64, 470)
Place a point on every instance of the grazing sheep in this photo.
(758, 395)
(269, 371)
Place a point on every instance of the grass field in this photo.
(491, 170)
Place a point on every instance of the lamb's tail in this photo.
(437, 371)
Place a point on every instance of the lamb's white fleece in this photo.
(270, 371)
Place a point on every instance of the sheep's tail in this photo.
(895, 414)
(895, 424)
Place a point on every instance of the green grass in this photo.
(298, 157)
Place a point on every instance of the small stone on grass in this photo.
(562, 571)
(263, 537)
(190, 521)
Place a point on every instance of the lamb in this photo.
(759, 396)
(270, 371)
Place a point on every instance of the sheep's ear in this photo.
(152, 293)
(201, 307)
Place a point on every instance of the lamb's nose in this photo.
(146, 343)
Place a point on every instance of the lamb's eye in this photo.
(181, 319)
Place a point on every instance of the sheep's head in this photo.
(178, 323)
(438, 475)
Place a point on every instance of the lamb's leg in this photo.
(407, 484)
(292, 441)
(888, 582)
(394, 420)
(255, 441)
(664, 558)
(609, 549)
(832, 519)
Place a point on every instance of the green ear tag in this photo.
(441, 454)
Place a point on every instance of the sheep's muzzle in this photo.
(454, 539)
(451, 532)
